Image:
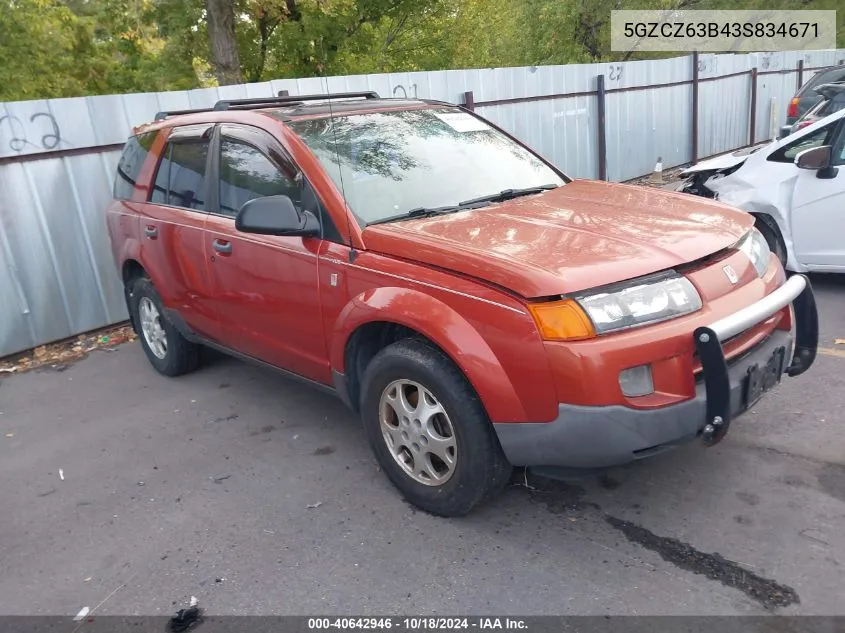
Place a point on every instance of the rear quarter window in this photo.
(132, 159)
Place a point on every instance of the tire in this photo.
(179, 356)
(479, 468)
(771, 232)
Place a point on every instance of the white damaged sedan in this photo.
(795, 187)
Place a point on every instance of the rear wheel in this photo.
(429, 431)
(167, 350)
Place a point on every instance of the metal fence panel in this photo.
(57, 277)
(30, 251)
(646, 125)
(16, 327)
(723, 114)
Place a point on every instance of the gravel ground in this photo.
(128, 492)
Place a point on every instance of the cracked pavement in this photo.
(260, 496)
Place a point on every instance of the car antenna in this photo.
(353, 254)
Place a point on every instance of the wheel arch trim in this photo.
(444, 327)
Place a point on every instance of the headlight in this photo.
(652, 300)
(656, 300)
(755, 246)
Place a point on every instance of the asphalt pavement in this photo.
(128, 492)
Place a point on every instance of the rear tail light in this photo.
(803, 124)
(792, 110)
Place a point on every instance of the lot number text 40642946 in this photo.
(422, 623)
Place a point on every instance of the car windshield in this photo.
(389, 163)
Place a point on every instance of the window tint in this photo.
(134, 154)
(787, 153)
(159, 194)
(180, 180)
(247, 173)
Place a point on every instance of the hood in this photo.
(764, 185)
(725, 161)
(578, 236)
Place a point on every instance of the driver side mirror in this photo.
(815, 158)
(818, 159)
(275, 215)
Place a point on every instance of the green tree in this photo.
(61, 48)
(40, 44)
(82, 47)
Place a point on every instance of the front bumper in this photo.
(591, 437)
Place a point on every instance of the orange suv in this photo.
(478, 308)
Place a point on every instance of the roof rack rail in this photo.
(247, 104)
(160, 116)
(268, 102)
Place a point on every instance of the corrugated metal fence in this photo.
(57, 157)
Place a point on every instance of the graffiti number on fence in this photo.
(18, 139)
(708, 64)
(16, 143)
(413, 89)
(615, 72)
(49, 141)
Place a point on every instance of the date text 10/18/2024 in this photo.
(417, 624)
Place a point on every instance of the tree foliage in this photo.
(59, 48)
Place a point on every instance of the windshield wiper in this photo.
(508, 194)
(418, 212)
(475, 203)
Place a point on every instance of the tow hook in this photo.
(711, 431)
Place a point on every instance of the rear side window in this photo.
(134, 154)
(180, 179)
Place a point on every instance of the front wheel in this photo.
(769, 228)
(429, 430)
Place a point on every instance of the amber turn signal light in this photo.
(562, 321)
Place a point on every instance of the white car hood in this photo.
(758, 178)
(760, 185)
(725, 161)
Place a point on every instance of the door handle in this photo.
(222, 246)
(151, 231)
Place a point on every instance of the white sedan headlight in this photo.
(658, 299)
(755, 246)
